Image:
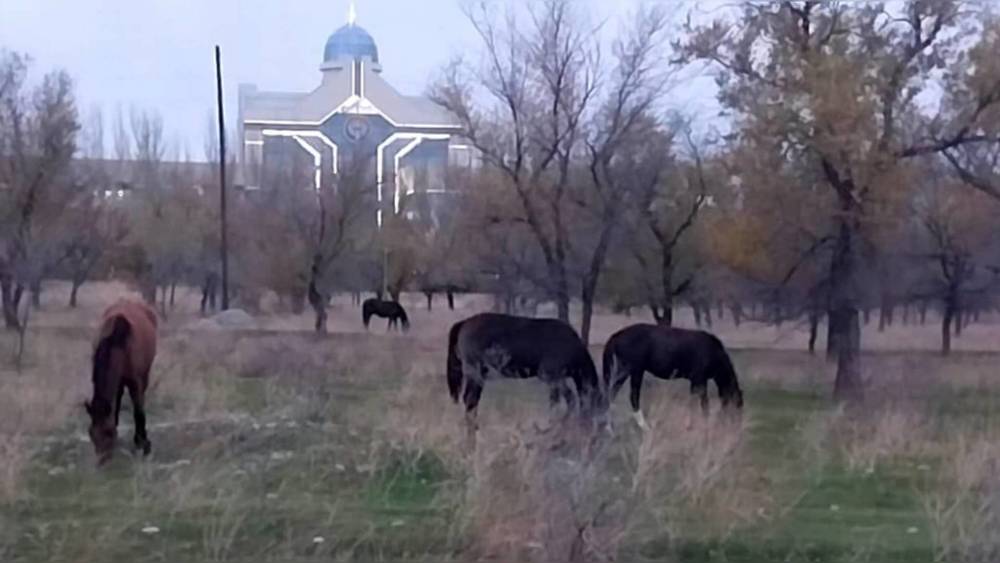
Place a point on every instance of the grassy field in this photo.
(275, 445)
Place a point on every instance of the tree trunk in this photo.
(906, 314)
(562, 300)
(844, 321)
(11, 298)
(707, 313)
(883, 316)
(587, 298)
(318, 303)
(867, 316)
(73, 292)
(593, 275)
(736, 311)
(663, 316)
(848, 385)
(813, 329)
(946, 320)
(430, 299)
(720, 310)
(163, 301)
(776, 315)
(833, 332)
(958, 320)
(697, 314)
(36, 294)
(298, 302)
(923, 312)
(173, 291)
(451, 300)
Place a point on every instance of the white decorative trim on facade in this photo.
(308, 133)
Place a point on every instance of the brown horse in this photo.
(123, 355)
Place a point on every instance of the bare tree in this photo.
(669, 198)
(553, 124)
(339, 211)
(37, 141)
(955, 237)
(537, 88)
(93, 225)
(301, 234)
(615, 139)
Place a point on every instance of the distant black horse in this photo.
(387, 310)
(491, 344)
(669, 353)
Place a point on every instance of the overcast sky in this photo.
(158, 54)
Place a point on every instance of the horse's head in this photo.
(595, 401)
(103, 431)
(732, 403)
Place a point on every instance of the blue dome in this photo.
(350, 42)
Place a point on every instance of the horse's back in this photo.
(142, 322)
(529, 342)
(381, 307)
(630, 344)
(664, 351)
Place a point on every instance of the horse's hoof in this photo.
(640, 420)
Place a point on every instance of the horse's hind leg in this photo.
(473, 391)
(118, 403)
(635, 390)
(141, 440)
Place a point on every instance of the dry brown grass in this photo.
(534, 489)
(964, 510)
(538, 488)
(35, 401)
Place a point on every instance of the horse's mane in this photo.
(114, 333)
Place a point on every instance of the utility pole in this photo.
(222, 182)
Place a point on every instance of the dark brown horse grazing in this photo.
(123, 355)
(387, 310)
(491, 344)
(669, 353)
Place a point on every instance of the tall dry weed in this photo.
(538, 487)
(964, 507)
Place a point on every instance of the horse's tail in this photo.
(454, 364)
(114, 334)
(725, 378)
(591, 384)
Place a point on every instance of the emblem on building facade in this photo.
(356, 128)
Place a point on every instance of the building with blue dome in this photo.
(354, 117)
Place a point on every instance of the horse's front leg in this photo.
(141, 439)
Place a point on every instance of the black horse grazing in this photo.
(669, 353)
(491, 344)
(387, 310)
